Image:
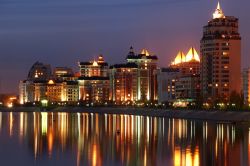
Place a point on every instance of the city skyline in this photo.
(163, 44)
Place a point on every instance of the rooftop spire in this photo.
(131, 51)
(218, 13)
(218, 6)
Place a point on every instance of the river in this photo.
(44, 138)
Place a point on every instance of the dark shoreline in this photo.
(219, 116)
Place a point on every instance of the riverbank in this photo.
(220, 116)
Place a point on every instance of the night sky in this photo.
(63, 32)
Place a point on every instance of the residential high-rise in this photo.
(220, 49)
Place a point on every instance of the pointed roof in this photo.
(218, 13)
(192, 55)
(131, 51)
(218, 6)
(180, 58)
(145, 52)
(95, 63)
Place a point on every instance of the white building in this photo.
(167, 78)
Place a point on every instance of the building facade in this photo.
(220, 49)
(167, 78)
(146, 74)
(188, 87)
(94, 84)
(181, 80)
(246, 86)
(94, 68)
(123, 81)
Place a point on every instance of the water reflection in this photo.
(94, 139)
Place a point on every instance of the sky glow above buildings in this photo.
(61, 33)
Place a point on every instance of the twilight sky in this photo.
(62, 32)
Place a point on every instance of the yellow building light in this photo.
(192, 55)
(51, 82)
(10, 105)
(180, 58)
(145, 52)
(44, 103)
(225, 53)
(95, 63)
(218, 12)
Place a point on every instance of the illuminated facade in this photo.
(94, 90)
(40, 90)
(167, 78)
(123, 79)
(41, 84)
(23, 95)
(71, 92)
(220, 49)
(146, 74)
(181, 80)
(246, 85)
(94, 85)
(55, 91)
(94, 68)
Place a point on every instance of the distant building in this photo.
(146, 74)
(94, 68)
(167, 78)
(94, 90)
(94, 85)
(181, 80)
(26, 92)
(123, 79)
(39, 71)
(220, 49)
(71, 92)
(55, 91)
(246, 86)
(66, 92)
(40, 90)
(41, 85)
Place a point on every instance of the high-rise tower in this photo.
(220, 57)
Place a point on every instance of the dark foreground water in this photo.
(94, 139)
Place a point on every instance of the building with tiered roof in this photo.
(220, 49)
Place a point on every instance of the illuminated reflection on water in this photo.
(94, 139)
